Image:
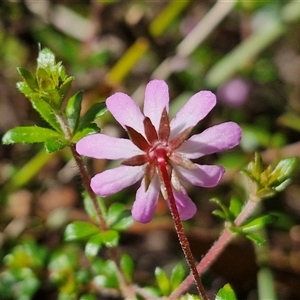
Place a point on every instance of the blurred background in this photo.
(247, 52)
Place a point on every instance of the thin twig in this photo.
(217, 248)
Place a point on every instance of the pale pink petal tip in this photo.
(144, 206)
(186, 207)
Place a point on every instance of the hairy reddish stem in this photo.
(217, 248)
(128, 290)
(86, 182)
(161, 160)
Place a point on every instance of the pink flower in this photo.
(153, 137)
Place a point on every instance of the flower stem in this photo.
(217, 248)
(179, 228)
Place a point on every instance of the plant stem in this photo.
(86, 182)
(179, 228)
(217, 248)
(126, 289)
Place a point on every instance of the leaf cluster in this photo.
(268, 181)
(46, 90)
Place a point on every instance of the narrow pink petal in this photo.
(203, 175)
(186, 207)
(114, 180)
(102, 146)
(125, 111)
(198, 106)
(214, 139)
(156, 99)
(145, 201)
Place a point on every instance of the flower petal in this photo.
(186, 207)
(214, 139)
(114, 180)
(126, 111)
(156, 99)
(102, 146)
(202, 175)
(198, 106)
(145, 202)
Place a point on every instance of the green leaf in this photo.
(118, 217)
(80, 230)
(110, 238)
(162, 281)
(40, 105)
(219, 213)
(29, 78)
(127, 266)
(93, 245)
(29, 135)
(73, 109)
(282, 171)
(93, 128)
(235, 207)
(256, 238)
(97, 110)
(105, 272)
(125, 221)
(224, 213)
(177, 276)
(53, 145)
(257, 223)
(65, 87)
(226, 293)
(89, 206)
(114, 212)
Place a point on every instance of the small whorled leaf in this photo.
(73, 109)
(110, 238)
(177, 276)
(224, 213)
(53, 145)
(29, 78)
(93, 245)
(29, 135)
(118, 217)
(235, 206)
(163, 281)
(127, 266)
(114, 212)
(282, 171)
(90, 208)
(65, 87)
(91, 129)
(41, 106)
(97, 110)
(226, 293)
(256, 238)
(257, 223)
(80, 230)
(105, 273)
